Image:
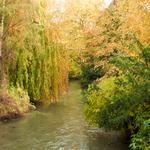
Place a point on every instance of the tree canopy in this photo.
(33, 55)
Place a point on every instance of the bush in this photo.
(16, 101)
(113, 106)
(89, 73)
(141, 140)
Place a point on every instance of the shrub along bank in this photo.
(16, 103)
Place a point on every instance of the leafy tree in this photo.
(113, 27)
(37, 65)
(11, 26)
(76, 17)
(120, 100)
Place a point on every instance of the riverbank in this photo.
(14, 104)
(10, 108)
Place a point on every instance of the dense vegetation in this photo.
(34, 62)
(107, 48)
(122, 103)
(120, 100)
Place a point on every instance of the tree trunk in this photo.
(3, 78)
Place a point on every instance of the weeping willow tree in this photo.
(38, 62)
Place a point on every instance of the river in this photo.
(58, 127)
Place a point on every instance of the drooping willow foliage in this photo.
(40, 67)
(39, 64)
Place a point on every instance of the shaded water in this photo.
(60, 127)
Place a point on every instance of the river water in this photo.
(59, 127)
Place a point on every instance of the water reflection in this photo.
(59, 127)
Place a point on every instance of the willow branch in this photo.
(12, 26)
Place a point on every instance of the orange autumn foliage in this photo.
(114, 26)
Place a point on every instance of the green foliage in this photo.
(96, 100)
(39, 68)
(119, 102)
(18, 94)
(89, 73)
(111, 105)
(141, 140)
(19, 100)
(16, 103)
(38, 62)
(74, 67)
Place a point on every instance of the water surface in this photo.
(59, 127)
